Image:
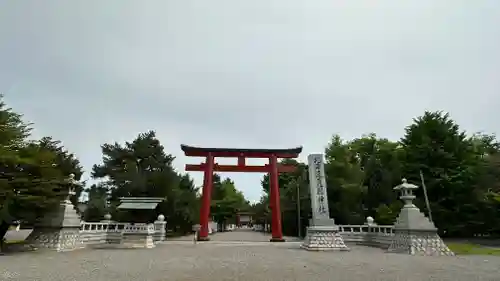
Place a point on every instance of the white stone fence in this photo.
(368, 234)
(110, 232)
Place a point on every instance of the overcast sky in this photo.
(250, 74)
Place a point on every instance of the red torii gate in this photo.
(273, 168)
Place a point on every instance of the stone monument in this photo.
(414, 233)
(322, 234)
(59, 230)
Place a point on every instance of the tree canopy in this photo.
(461, 173)
(142, 168)
(33, 174)
(226, 200)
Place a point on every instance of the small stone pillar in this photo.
(107, 218)
(322, 234)
(370, 237)
(111, 236)
(160, 229)
(414, 233)
(370, 221)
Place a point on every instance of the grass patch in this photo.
(472, 249)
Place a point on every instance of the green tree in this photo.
(261, 211)
(487, 184)
(345, 182)
(66, 162)
(435, 145)
(31, 182)
(97, 203)
(13, 133)
(379, 161)
(289, 184)
(142, 168)
(183, 205)
(227, 201)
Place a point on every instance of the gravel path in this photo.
(236, 260)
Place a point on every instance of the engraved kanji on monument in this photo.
(322, 233)
(319, 198)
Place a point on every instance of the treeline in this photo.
(34, 179)
(462, 175)
(461, 172)
(142, 168)
(33, 173)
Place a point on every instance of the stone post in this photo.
(370, 236)
(414, 233)
(322, 234)
(160, 229)
(370, 221)
(107, 218)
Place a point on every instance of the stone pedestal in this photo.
(58, 230)
(139, 236)
(324, 238)
(414, 233)
(419, 243)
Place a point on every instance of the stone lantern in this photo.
(59, 230)
(414, 233)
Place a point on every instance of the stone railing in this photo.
(368, 234)
(261, 227)
(110, 232)
(139, 228)
(95, 233)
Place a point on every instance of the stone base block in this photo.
(324, 238)
(277, 239)
(419, 243)
(138, 240)
(59, 239)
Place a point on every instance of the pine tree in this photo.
(435, 145)
(31, 182)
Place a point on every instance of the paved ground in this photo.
(242, 235)
(227, 258)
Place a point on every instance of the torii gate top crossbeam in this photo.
(241, 152)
